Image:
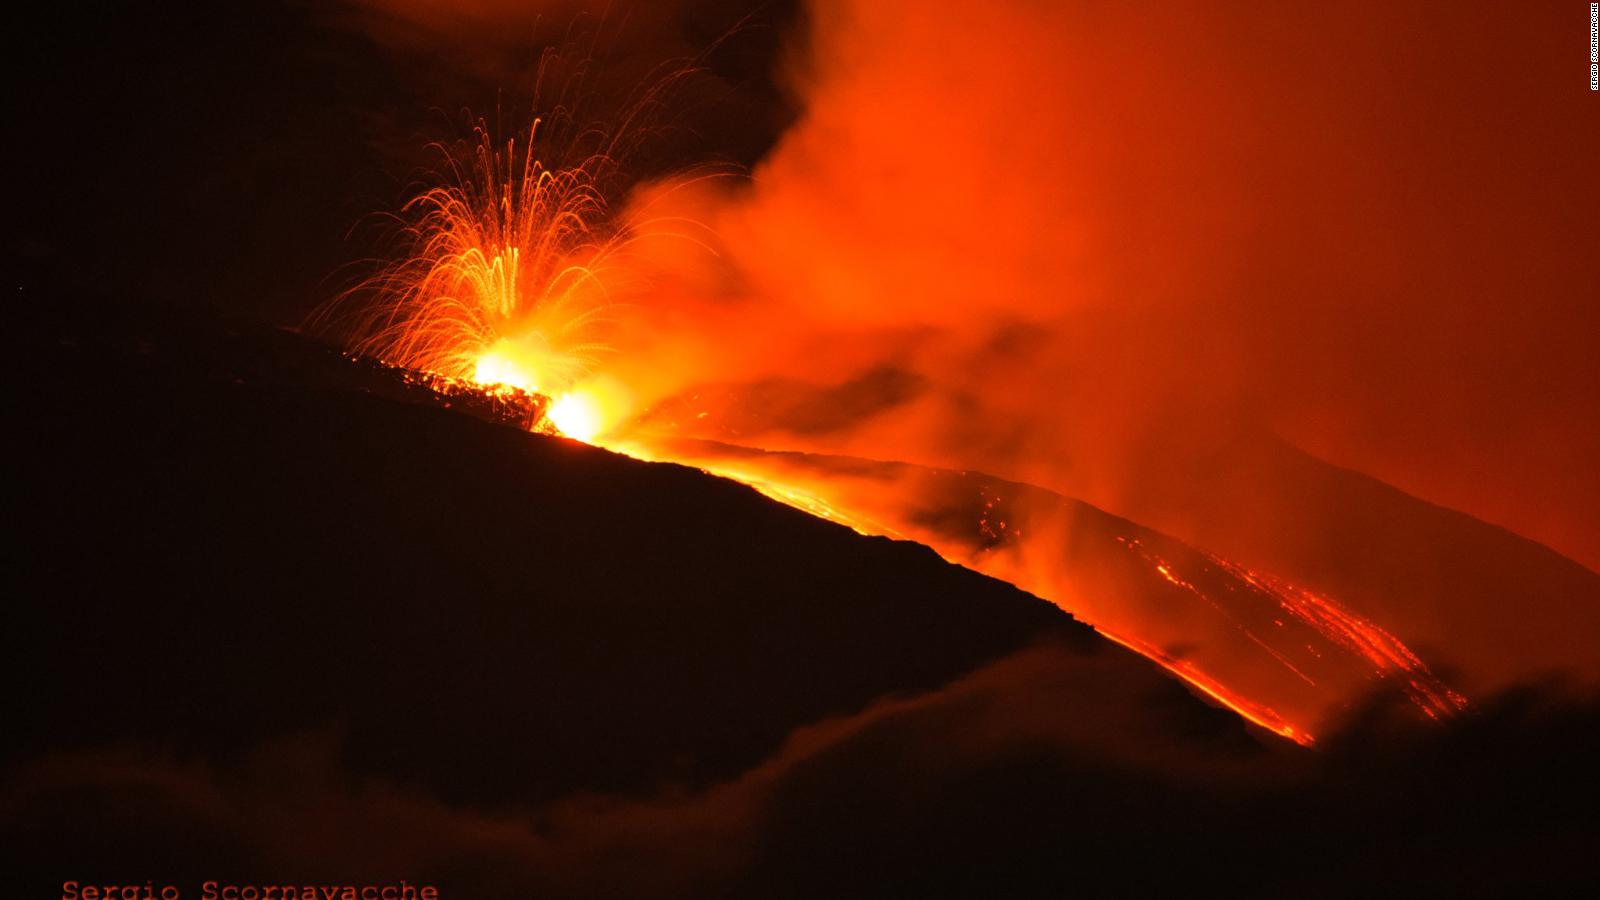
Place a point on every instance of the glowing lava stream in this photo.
(1332, 653)
(1258, 714)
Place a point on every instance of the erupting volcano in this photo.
(674, 449)
(508, 278)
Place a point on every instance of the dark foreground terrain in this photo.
(273, 625)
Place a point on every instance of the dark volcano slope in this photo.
(212, 559)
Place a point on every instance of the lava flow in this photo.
(1282, 656)
(508, 277)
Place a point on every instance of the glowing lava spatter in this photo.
(502, 275)
(509, 263)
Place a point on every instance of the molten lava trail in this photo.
(1281, 656)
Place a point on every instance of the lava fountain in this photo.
(506, 265)
(501, 276)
